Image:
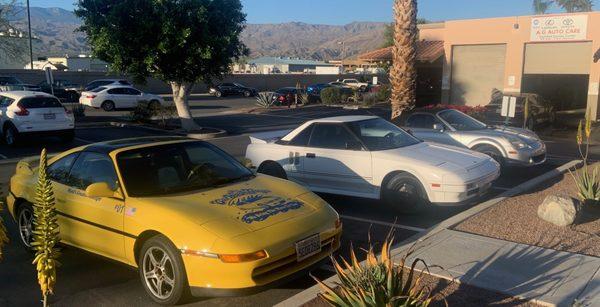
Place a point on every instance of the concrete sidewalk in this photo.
(533, 273)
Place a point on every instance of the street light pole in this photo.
(30, 42)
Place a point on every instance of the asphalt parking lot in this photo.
(88, 279)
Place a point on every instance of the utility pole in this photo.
(30, 41)
(343, 54)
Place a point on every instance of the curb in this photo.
(198, 136)
(312, 292)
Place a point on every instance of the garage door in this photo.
(558, 58)
(476, 71)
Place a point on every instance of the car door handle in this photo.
(311, 155)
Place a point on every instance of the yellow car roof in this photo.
(123, 144)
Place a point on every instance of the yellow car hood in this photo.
(243, 207)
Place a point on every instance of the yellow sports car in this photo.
(188, 215)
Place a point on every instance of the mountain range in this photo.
(56, 30)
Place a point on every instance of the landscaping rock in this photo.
(558, 210)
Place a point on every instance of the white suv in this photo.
(34, 113)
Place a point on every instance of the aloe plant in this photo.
(586, 180)
(377, 282)
(3, 232)
(46, 231)
(264, 99)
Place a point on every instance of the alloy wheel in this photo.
(159, 274)
(26, 226)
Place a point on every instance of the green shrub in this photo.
(378, 282)
(331, 95)
(369, 99)
(141, 113)
(384, 93)
(145, 111)
(265, 99)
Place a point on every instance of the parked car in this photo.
(507, 145)
(112, 97)
(10, 83)
(286, 96)
(367, 156)
(26, 113)
(184, 212)
(228, 89)
(315, 89)
(541, 111)
(63, 89)
(105, 82)
(354, 83)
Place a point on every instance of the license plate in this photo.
(49, 116)
(308, 247)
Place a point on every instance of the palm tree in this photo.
(540, 7)
(403, 74)
(572, 6)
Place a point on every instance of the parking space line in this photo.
(3, 156)
(358, 219)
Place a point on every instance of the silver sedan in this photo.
(507, 145)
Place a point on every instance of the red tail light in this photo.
(90, 96)
(22, 111)
(281, 98)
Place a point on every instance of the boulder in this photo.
(558, 210)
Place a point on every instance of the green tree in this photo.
(12, 46)
(572, 6)
(46, 231)
(388, 32)
(181, 42)
(541, 7)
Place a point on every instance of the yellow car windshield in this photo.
(176, 168)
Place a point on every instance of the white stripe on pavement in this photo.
(411, 228)
(3, 156)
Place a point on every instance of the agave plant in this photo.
(264, 99)
(377, 282)
(3, 232)
(46, 232)
(303, 98)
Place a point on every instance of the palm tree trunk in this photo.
(403, 74)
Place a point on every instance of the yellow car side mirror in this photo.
(99, 189)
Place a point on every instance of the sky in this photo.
(345, 11)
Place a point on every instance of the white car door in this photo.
(335, 161)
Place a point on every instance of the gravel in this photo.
(515, 219)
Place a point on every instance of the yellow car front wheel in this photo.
(162, 271)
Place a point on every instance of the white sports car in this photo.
(367, 156)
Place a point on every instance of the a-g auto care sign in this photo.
(559, 28)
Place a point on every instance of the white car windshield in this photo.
(379, 134)
(461, 121)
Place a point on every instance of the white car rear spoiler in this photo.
(268, 137)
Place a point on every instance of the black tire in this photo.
(272, 169)
(492, 152)
(25, 209)
(11, 135)
(404, 192)
(108, 106)
(218, 94)
(180, 291)
(247, 94)
(68, 136)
